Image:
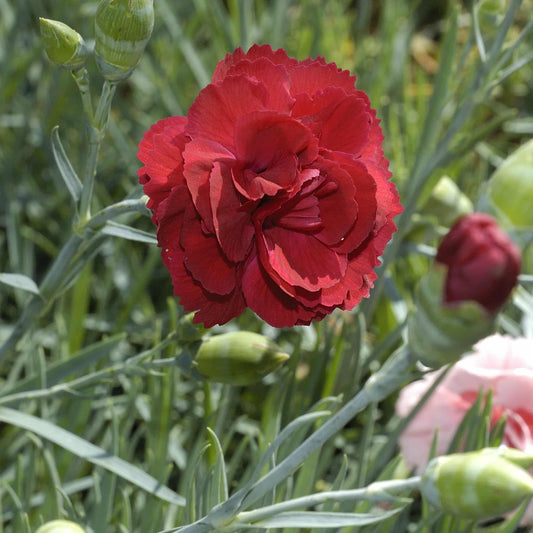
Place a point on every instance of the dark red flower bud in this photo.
(483, 263)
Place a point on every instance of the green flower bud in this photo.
(447, 202)
(238, 358)
(122, 29)
(517, 457)
(475, 485)
(63, 45)
(60, 526)
(440, 334)
(510, 189)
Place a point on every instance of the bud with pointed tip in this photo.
(60, 526)
(238, 358)
(63, 45)
(475, 485)
(518, 457)
(122, 30)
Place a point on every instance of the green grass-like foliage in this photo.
(104, 421)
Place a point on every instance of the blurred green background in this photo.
(154, 419)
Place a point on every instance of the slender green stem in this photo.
(391, 376)
(133, 364)
(380, 491)
(81, 77)
(96, 134)
(95, 138)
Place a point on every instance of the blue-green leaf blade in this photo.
(88, 451)
(64, 166)
(19, 281)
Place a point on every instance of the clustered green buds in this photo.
(63, 45)
(122, 30)
(60, 526)
(510, 189)
(475, 485)
(440, 334)
(238, 358)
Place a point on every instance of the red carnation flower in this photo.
(272, 193)
(483, 263)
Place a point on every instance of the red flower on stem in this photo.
(483, 263)
(272, 193)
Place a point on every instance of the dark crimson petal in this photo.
(275, 77)
(233, 225)
(215, 111)
(220, 309)
(200, 156)
(277, 57)
(313, 75)
(205, 260)
(302, 260)
(268, 301)
(304, 215)
(269, 148)
(326, 115)
(161, 151)
(363, 208)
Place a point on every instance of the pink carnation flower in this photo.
(500, 363)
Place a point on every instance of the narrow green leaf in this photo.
(127, 232)
(218, 482)
(77, 364)
(19, 281)
(324, 520)
(94, 454)
(64, 166)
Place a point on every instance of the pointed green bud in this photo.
(513, 455)
(63, 45)
(60, 526)
(447, 202)
(122, 30)
(440, 334)
(238, 358)
(510, 189)
(475, 485)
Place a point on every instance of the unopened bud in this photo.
(438, 333)
(510, 188)
(475, 485)
(447, 202)
(122, 30)
(60, 526)
(238, 358)
(63, 45)
(518, 457)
